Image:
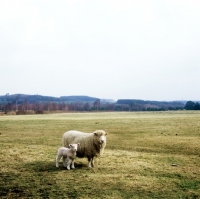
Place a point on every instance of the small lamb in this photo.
(68, 155)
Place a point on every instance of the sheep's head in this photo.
(101, 136)
(74, 147)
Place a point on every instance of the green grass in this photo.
(137, 162)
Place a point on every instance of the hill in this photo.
(20, 98)
(40, 103)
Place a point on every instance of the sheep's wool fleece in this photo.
(89, 142)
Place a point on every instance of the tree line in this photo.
(24, 104)
(192, 105)
(41, 107)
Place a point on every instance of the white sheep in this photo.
(91, 144)
(68, 155)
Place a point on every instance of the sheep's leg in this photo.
(90, 162)
(57, 160)
(68, 163)
(73, 167)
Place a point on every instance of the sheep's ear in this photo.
(78, 144)
(70, 145)
(106, 133)
(96, 134)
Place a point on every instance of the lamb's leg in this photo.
(68, 163)
(64, 161)
(73, 167)
(57, 160)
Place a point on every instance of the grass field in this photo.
(148, 155)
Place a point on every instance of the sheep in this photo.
(68, 155)
(91, 144)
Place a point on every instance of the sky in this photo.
(110, 49)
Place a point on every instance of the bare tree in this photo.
(97, 104)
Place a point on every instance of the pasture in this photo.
(148, 155)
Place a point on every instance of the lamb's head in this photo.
(74, 147)
(100, 136)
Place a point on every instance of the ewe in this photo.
(68, 155)
(91, 144)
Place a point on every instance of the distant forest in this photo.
(38, 104)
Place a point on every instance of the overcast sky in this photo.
(114, 49)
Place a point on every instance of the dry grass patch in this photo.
(137, 163)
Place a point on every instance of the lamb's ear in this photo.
(106, 133)
(70, 145)
(78, 144)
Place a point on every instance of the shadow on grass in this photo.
(14, 185)
(48, 166)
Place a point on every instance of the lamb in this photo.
(91, 144)
(68, 155)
